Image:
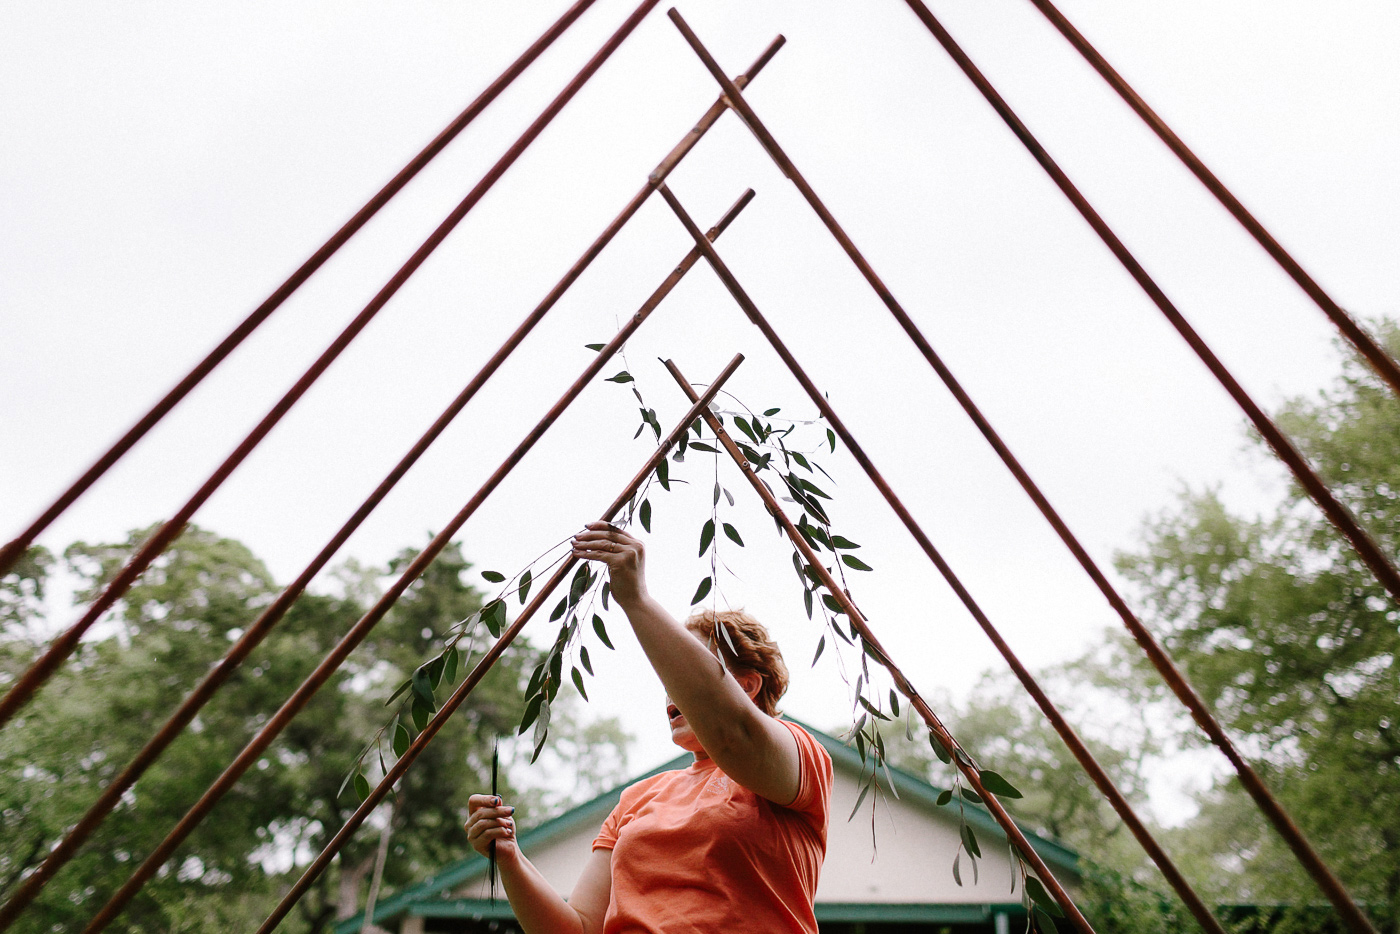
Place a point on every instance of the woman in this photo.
(734, 842)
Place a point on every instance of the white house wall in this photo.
(914, 861)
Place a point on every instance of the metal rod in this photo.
(1380, 563)
(1081, 752)
(12, 551)
(1012, 831)
(357, 633)
(63, 645)
(1200, 712)
(482, 667)
(269, 618)
(1383, 363)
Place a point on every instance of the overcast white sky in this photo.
(166, 165)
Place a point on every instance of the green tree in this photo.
(143, 658)
(1293, 643)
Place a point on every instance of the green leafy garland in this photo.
(769, 445)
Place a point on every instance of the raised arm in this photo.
(538, 908)
(751, 747)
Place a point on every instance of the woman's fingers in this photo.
(491, 819)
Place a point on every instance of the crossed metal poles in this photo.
(733, 97)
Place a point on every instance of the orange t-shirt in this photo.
(694, 851)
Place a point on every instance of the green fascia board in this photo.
(1057, 856)
(914, 912)
(455, 874)
(827, 912)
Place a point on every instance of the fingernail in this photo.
(498, 802)
(512, 810)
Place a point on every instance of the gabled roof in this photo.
(428, 897)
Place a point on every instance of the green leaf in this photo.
(401, 739)
(957, 874)
(420, 714)
(532, 710)
(578, 680)
(663, 476)
(361, 785)
(1036, 890)
(701, 591)
(733, 534)
(577, 587)
(859, 801)
(807, 601)
(449, 672)
(745, 428)
(769, 413)
(594, 347)
(939, 749)
(494, 577)
(702, 446)
(894, 702)
(812, 488)
(397, 691)
(970, 840)
(821, 647)
(724, 631)
(602, 633)
(621, 377)
(801, 460)
(494, 616)
(840, 542)
(874, 711)
(606, 592)
(559, 609)
(583, 657)
(944, 797)
(1044, 921)
(716, 500)
(970, 795)
(998, 785)
(535, 680)
(729, 496)
(851, 561)
(832, 604)
(523, 591)
(645, 514)
(556, 673)
(423, 688)
(707, 535)
(831, 437)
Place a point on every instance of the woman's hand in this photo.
(490, 818)
(624, 556)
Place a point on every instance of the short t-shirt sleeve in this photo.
(607, 836)
(814, 780)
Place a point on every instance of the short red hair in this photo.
(753, 650)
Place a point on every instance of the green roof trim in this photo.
(827, 912)
(420, 899)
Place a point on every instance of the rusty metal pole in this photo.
(12, 551)
(700, 404)
(961, 760)
(1383, 363)
(269, 618)
(1200, 712)
(357, 633)
(1378, 561)
(64, 644)
(1081, 752)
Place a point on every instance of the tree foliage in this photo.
(1293, 643)
(179, 618)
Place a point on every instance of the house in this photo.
(902, 883)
